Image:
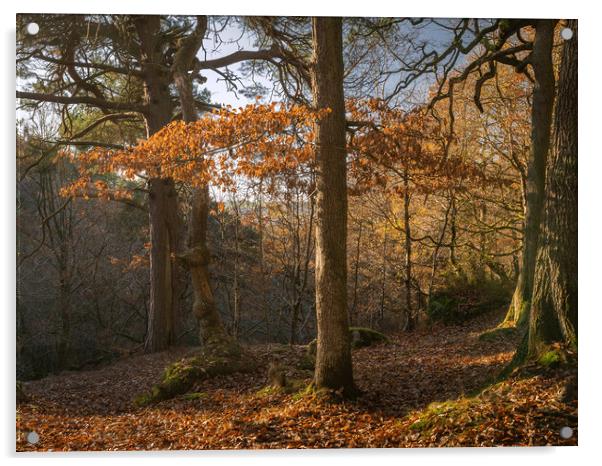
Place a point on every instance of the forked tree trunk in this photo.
(554, 308)
(333, 357)
(541, 117)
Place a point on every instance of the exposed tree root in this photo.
(181, 376)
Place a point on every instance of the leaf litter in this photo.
(430, 388)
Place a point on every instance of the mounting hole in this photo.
(566, 432)
(566, 33)
(32, 29)
(33, 438)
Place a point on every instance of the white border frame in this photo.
(590, 226)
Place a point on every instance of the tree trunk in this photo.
(554, 308)
(163, 200)
(262, 269)
(383, 287)
(64, 294)
(333, 356)
(411, 323)
(295, 311)
(236, 282)
(438, 247)
(541, 117)
(453, 234)
(59, 231)
(164, 236)
(197, 257)
(352, 314)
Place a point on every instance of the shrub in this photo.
(462, 299)
(443, 308)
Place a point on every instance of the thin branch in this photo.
(72, 100)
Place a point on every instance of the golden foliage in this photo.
(254, 141)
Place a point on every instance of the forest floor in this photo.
(432, 387)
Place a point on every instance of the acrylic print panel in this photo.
(295, 232)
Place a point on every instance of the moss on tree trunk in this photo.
(541, 118)
(554, 304)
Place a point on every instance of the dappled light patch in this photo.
(498, 333)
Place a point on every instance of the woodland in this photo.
(295, 232)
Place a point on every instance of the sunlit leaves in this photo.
(390, 142)
(254, 141)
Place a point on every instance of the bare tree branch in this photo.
(72, 100)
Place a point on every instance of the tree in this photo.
(553, 315)
(163, 200)
(289, 237)
(526, 45)
(138, 49)
(81, 289)
(402, 156)
(258, 141)
(541, 118)
(197, 256)
(333, 358)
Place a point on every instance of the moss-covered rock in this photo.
(463, 298)
(361, 337)
(437, 413)
(180, 377)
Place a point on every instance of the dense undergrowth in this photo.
(464, 297)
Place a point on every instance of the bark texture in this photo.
(333, 358)
(541, 119)
(164, 234)
(197, 256)
(554, 307)
(163, 199)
